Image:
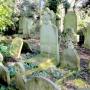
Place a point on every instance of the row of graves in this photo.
(52, 55)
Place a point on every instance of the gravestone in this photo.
(16, 47)
(26, 22)
(87, 37)
(20, 82)
(4, 74)
(70, 21)
(38, 83)
(20, 25)
(28, 26)
(70, 57)
(49, 36)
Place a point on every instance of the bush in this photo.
(5, 14)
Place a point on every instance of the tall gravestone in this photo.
(70, 21)
(49, 36)
(87, 37)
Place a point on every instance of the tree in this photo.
(53, 4)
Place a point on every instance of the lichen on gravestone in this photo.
(4, 74)
(70, 21)
(28, 26)
(40, 83)
(70, 57)
(36, 83)
(21, 82)
(28, 10)
(87, 37)
(49, 36)
(16, 47)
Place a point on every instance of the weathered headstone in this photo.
(28, 26)
(87, 37)
(70, 21)
(16, 46)
(49, 37)
(27, 12)
(21, 82)
(4, 74)
(70, 57)
(21, 25)
(38, 83)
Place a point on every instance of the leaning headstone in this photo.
(49, 36)
(87, 37)
(4, 74)
(70, 57)
(16, 46)
(38, 83)
(21, 82)
(70, 20)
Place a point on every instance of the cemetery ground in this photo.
(31, 65)
(44, 45)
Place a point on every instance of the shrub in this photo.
(5, 14)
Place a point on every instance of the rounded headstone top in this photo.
(39, 82)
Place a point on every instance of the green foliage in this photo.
(2, 87)
(41, 74)
(4, 50)
(5, 14)
(66, 4)
(53, 4)
(30, 65)
(12, 71)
